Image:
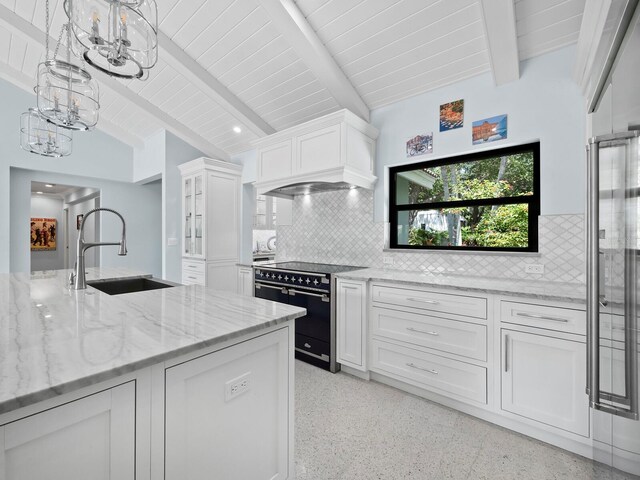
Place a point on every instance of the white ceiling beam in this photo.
(201, 78)
(26, 83)
(293, 26)
(591, 29)
(499, 20)
(16, 24)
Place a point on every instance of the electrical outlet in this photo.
(534, 268)
(237, 386)
(387, 260)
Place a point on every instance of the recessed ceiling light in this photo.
(237, 129)
(48, 185)
(39, 193)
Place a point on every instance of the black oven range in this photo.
(311, 286)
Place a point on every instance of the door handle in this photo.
(262, 285)
(506, 353)
(323, 296)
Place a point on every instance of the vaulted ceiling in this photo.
(265, 65)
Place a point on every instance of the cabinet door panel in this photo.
(275, 161)
(255, 423)
(543, 378)
(90, 438)
(318, 150)
(223, 213)
(351, 322)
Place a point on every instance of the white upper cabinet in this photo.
(336, 148)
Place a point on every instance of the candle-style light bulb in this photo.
(95, 28)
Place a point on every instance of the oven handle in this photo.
(323, 296)
(260, 285)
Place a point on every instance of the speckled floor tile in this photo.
(349, 429)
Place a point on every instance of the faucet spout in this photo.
(79, 273)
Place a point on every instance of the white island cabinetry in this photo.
(95, 434)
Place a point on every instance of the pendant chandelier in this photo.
(118, 37)
(39, 136)
(67, 95)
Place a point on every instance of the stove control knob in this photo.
(300, 279)
(262, 274)
(293, 279)
(308, 281)
(315, 282)
(286, 278)
(279, 277)
(268, 275)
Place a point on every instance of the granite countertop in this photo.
(54, 339)
(544, 290)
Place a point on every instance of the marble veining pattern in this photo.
(338, 227)
(557, 291)
(54, 339)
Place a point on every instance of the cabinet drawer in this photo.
(438, 302)
(451, 336)
(540, 316)
(431, 372)
(193, 267)
(193, 278)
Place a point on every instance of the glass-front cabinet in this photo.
(193, 221)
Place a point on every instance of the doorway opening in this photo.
(56, 213)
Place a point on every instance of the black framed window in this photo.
(488, 200)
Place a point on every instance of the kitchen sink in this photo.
(129, 285)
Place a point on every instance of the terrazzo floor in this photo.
(350, 429)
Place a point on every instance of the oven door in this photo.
(317, 322)
(271, 292)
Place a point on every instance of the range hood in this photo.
(341, 178)
(334, 152)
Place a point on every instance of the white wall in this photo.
(149, 161)
(49, 207)
(95, 155)
(544, 104)
(140, 205)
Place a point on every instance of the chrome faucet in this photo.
(77, 278)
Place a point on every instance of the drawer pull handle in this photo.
(429, 370)
(435, 334)
(420, 300)
(542, 317)
(192, 278)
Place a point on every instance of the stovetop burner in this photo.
(310, 267)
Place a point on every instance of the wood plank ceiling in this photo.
(388, 49)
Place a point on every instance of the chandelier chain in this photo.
(46, 27)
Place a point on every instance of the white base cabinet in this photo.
(351, 321)
(226, 413)
(543, 379)
(245, 281)
(89, 438)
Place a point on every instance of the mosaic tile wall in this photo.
(337, 227)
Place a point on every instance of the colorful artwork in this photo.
(43, 234)
(451, 115)
(420, 145)
(489, 129)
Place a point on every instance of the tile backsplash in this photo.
(337, 227)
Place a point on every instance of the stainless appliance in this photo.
(612, 299)
(310, 286)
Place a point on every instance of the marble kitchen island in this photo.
(181, 382)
